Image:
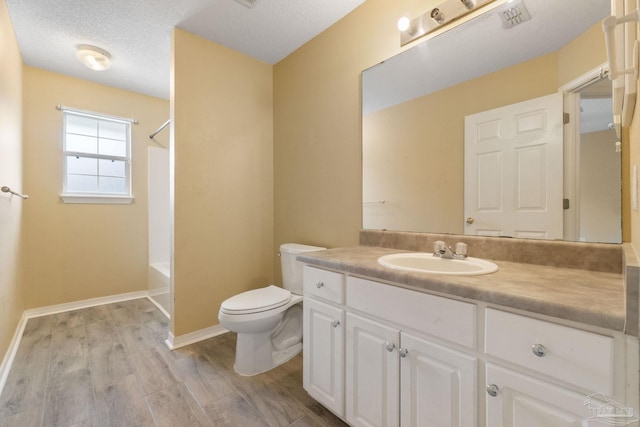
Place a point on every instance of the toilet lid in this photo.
(256, 300)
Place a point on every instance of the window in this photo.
(97, 159)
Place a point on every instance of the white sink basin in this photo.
(427, 263)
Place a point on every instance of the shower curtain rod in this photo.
(160, 128)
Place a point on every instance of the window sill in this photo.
(96, 199)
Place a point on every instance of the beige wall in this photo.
(317, 129)
(582, 54)
(77, 252)
(414, 153)
(11, 174)
(222, 156)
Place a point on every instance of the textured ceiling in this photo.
(138, 33)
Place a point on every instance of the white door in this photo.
(323, 348)
(373, 373)
(522, 401)
(513, 179)
(437, 385)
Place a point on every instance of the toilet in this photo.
(268, 320)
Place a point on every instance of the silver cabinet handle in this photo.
(335, 323)
(492, 390)
(390, 346)
(319, 285)
(403, 352)
(539, 350)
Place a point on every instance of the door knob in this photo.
(492, 390)
(469, 220)
(319, 285)
(335, 323)
(390, 346)
(403, 352)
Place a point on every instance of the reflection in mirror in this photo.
(415, 105)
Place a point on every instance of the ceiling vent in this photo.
(248, 3)
(513, 14)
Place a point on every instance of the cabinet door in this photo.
(372, 373)
(526, 401)
(323, 348)
(438, 385)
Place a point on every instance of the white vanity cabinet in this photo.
(323, 343)
(389, 373)
(516, 396)
(397, 378)
(382, 355)
(517, 400)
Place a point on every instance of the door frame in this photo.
(571, 105)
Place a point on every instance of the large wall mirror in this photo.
(417, 105)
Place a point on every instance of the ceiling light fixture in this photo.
(93, 57)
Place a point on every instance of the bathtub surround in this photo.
(158, 211)
(159, 278)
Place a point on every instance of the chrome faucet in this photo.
(442, 250)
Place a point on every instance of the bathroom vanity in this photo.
(532, 344)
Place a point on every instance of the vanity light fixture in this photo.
(93, 57)
(436, 18)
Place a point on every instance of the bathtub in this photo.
(159, 289)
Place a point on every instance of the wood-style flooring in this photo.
(108, 366)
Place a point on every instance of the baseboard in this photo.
(11, 351)
(182, 340)
(54, 309)
(77, 305)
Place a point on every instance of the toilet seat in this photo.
(256, 300)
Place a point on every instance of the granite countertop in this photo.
(589, 297)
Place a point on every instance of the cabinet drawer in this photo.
(441, 317)
(572, 355)
(324, 284)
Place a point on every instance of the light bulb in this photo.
(404, 23)
(469, 4)
(437, 15)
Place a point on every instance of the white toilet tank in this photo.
(292, 269)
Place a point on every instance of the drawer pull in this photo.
(319, 285)
(403, 352)
(539, 350)
(335, 323)
(492, 390)
(390, 346)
